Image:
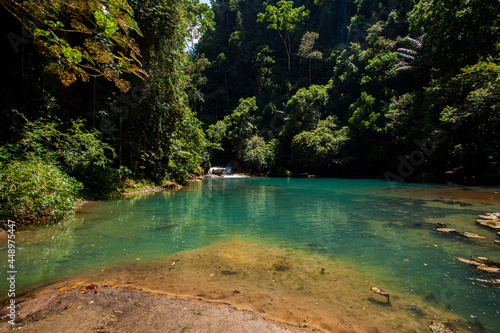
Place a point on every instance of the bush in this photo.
(35, 192)
(321, 148)
(259, 155)
(99, 183)
(71, 148)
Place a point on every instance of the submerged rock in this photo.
(469, 262)
(381, 292)
(490, 216)
(480, 263)
(471, 235)
(216, 171)
(494, 224)
(282, 264)
(494, 281)
(494, 270)
(447, 230)
(487, 261)
(437, 327)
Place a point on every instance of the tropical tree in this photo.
(259, 155)
(455, 33)
(195, 70)
(305, 108)
(306, 49)
(321, 148)
(241, 123)
(82, 39)
(284, 19)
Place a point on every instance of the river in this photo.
(299, 250)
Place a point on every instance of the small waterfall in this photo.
(226, 172)
(216, 170)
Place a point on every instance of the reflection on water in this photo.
(385, 234)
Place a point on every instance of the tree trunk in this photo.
(227, 92)
(309, 71)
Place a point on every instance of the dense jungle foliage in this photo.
(98, 95)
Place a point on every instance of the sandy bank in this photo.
(120, 310)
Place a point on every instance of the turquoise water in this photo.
(387, 232)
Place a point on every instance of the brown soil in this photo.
(120, 310)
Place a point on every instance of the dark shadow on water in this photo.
(453, 202)
(416, 311)
(165, 226)
(431, 298)
(385, 303)
(476, 326)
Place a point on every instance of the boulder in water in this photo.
(487, 261)
(381, 292)
(494, 224)
(494, 270)
(216, 171)
(446, 230)
(490, 216)
(480, 263)
(469, 262)
(493, 281)
(471, 235)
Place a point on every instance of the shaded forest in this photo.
(392, 89)
(102, 96)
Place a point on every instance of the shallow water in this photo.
(383, 234)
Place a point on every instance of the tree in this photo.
(241, 123)
(82, 39)
(284, 19)
(263, 62)
(157, 135)
(321, 148)
(215, 134)
(259, 155)
(305, 110)
(455, 33)
(67, 146)
(201, 20)
(195, 69)
(306, 49)
(468, 104)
